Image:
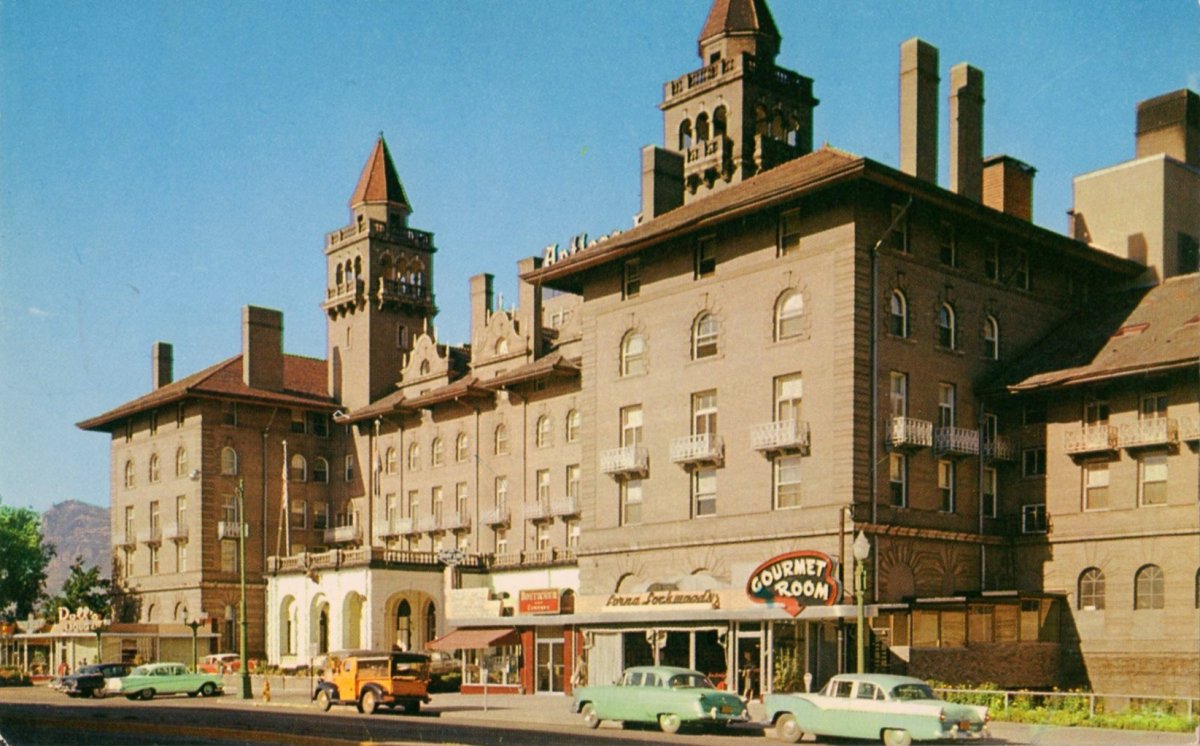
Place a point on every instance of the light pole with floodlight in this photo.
(862, 550)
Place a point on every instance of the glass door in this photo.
(550, 666)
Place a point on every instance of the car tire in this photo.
(146, 694)
(96, 693)
(208, 689)
(591, 718)
(669, 722)
(324, 701)
(895, 737)
(368, 703)
(787, 729)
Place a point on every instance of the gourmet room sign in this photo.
(796, 580)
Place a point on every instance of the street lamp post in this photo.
(247, 692)
(195, 625)
(862, 550)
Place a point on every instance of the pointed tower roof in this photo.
(379, 182)
(740, 17)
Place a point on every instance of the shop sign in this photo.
(82, 619)
(709, 599)
(796, 580)
(541, 601)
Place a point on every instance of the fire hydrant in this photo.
(266, 693)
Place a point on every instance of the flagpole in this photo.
(287, 505)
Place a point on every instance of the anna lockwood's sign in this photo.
(795, 580)
(676, 599)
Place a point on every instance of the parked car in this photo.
(221, 663)
(88, 681)
(664, 695)
(144, 682)
(895, 709)
(372, 679)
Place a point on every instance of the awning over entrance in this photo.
(475, 638)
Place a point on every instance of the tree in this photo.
(24, 555)
(85, 588)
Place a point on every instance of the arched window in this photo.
(229, 461)
(946, 324)
(1148, 588)
(501, 439)
(502, 346)
(789, 314)
(153, 467)
(1091, 588)
(461, 447)
(349, 273)
(705, 331)
(991, 338)
(129, 477)
(287, 628)
(430, 622)
(321, 471)
(404, 625)
(633, 354)
(437, 453)
(424, 369)
(898, 319)
(389, 461)
(573, 421)
(299, 469)
(181, 469)
(339, 275)
(543, 431)
(323, 630)
(702, 128)
(719, 125)
(685, 134)
(414, 456)
(358, 273)
(760, 120)
(386, 268)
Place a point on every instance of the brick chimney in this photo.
(919, 109)
(262, 348)
(1170, 124)
(481, 306)
(1008, 186)
(662, 181)
(966, 131)
(161, 364)
(529, 298)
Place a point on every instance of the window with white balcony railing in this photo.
(907, 432)
(565, 506)
(958, 441)
(625, 460)
(1089, 439)
(708, 448)
(499, 516)
(782, 435)
(1155, 431)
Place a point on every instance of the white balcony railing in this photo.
(151, 535)
(625, 460)
(906, 432)
(456, 521)
(706, 448)
(564, 506)
(427, 524)
(538, 510)
(342, 534)
(956, 441)
(126, 538)
(1189, 428)
(999, 448)
(1089, 439)
(175, 532)
(497, 517)
(782, 435)
(405, 527)
(387, 528)
(232, 530)
(1159, 431)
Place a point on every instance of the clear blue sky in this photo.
(163, 164)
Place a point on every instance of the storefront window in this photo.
(503, 665)
(788, 656)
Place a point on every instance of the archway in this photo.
(352, 621)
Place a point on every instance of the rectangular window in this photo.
(501, 492)
(789, 232)
(1033, 462)
(788, 393)
(991, 259)
(153, 559)
(631, 426)
(704, 413)
(154, 423)
(299, 513)
(1188, 254)
(298, 422)
(988, 505)
(180, 556)
(573, 532)
(898, 386)
(947, 245)
(945, 477)
(704, 492)
(1095, 411)
(1033, 519)
(401, 337)
(898, 238)
(128, 430)
(1021, 271)
(946, 408)
(229, 413)
(980, 623)
(925, 628)
(1095, 485)
(180, 414)
(181, 514)
(391, 510)
(412, 503)
(706, 256)
(155, 523)
(787, 482)
(543, 485)
(350, 468)
(501, 541)
(1152, 469)
(229, 556)
(631, 502)
(632, 281)
(898, 479)
(543, 536)
(573, 480)
(460, 499)
(129, 531)
(318, 424)
(435, 499)
(1153, 406)
(991, 427)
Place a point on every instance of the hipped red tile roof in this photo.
(379, 182)
(304, 384)
(739, 16)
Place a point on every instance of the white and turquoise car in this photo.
(152, 679)
(897, 710)
(668, 696)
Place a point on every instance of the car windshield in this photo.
(912, 691)
(690, 681)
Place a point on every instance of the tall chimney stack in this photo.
(662, 181)
(529, 298)
(919, 109)
(1170, 124)
(262, 348)
(1008, 186)
(481, 306)
(161, 364)
(966, 131)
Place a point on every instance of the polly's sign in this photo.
(82, 619)
(796, 580)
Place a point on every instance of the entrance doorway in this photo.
(549, 665)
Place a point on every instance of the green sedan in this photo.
(895, 709)
(665, 695)
(144, 682)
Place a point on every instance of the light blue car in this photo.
(145, 682)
